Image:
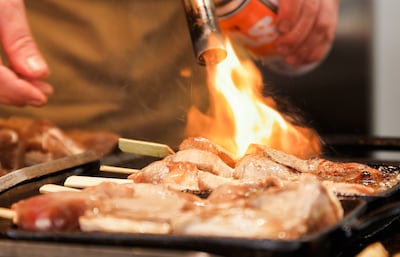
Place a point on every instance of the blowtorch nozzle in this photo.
(207, 39)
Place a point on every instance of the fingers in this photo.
(19, 92)
(289, 13)
(43, 86)
(325, 30)
(21, 84)
(311, 37)
(17, 41)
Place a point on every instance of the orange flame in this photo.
(240, 115)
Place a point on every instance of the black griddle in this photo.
(367, 219)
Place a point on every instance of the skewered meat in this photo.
(71, 211)
(206, 145)
(183, 176)
(51, 212)
(149, 209)
(177, 175)
(256, 167)
(231, 210)
(277, 213)
(349, 172)
(204, 160)
(260, 165)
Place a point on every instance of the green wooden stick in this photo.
(144, 148)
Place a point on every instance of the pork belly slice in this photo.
(346, 172)
(204, 160)
(205, 144)
(259, 169)
(182, 176)
(177, 175)
(142, 204)
(148, 211)
(274, 213)
(256, 168)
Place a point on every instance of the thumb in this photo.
(18, 43)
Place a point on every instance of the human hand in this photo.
(307, 29)
(22, 83)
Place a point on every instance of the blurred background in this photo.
(356, 90)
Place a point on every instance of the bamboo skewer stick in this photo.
(117, 169)
(144, 148)
(52, 188)
(86, 181)
(7, 213)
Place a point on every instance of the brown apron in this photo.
(126, 66)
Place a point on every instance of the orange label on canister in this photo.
(253, 24)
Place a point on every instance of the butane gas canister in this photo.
(252, 23)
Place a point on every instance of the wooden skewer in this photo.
(117, 169)
(86, 181)
(7, 213)
(144, 148)
(51, 188)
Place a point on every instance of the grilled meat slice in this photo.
(206, 145)
(149, 210)
(183, 176)
(231, 210)
(198, 170)
(204, 160)
(85, 210)
(347, 172)
(256, 168)
(276, 213)
(177, 175)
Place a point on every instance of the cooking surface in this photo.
(85, 244)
